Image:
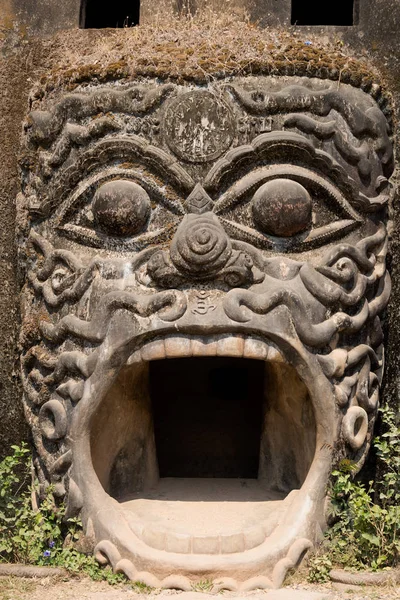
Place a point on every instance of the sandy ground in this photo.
(85, 589)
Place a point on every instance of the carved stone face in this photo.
(202, 337)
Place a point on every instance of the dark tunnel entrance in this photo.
(207, 416)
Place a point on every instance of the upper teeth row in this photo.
(180, 346)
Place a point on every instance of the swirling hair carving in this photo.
(163, 221)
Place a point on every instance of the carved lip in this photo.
(106, 518)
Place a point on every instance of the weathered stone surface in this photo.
(207, 227)
(232, 269)
(14, 85)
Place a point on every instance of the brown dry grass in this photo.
(197, 49)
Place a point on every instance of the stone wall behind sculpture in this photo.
(27, 55)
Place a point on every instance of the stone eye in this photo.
(121, 208)
(282, 208)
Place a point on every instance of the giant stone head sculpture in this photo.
(205, 275)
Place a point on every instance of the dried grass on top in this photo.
(197, 49)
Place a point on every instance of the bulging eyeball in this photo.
(282, 207)
(121, 208)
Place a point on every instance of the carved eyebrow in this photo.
(300, 98)
(264, 150)
(76, 135)
(127, 148)
(266, 147)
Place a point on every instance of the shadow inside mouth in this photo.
(207, 416)
(204, 454)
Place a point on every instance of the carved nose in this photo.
(200, 247)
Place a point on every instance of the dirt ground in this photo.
(85, 589)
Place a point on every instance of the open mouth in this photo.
(201, 452)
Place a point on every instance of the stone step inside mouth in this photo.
(204, 452)
(205, 515)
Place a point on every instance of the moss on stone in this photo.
(198, 50)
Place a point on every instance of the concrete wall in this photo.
(26, 30)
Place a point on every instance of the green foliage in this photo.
(204, 585)
(388, 451)
(141, 588)
(39, 536)
(319, 568)
(366, 529)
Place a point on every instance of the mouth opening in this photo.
(207, 416)
(204, 453)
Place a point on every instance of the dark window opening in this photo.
(317, 12)
(207, 416)
(99, 15)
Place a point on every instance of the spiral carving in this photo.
(200, 247)
(53, 420)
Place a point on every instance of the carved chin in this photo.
(182, 475)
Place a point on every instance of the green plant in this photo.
(319, 568)
(366, 529)
(141, 588)
(204, 585)
(38, 536)
(22, 534)
(388, 452)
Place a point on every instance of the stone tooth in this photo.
(274, 355)
(154, 538)
(134, 523)
(134, 358)
(177, 346)
(254, 348)
(206, 545)
(232, 543)
(178, 542)
(154, 350)
(273, 521)
(253, 537)
(230, 346)
(203, 347)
